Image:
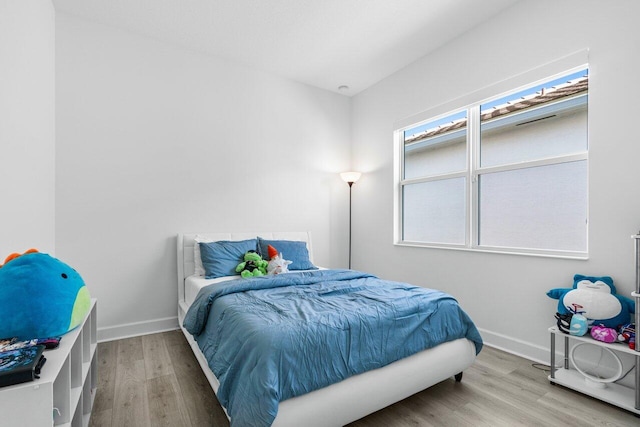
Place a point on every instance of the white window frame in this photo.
(472, 103)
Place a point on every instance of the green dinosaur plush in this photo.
(252, 266)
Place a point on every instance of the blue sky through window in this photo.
(533, 89)
(435, 123)
(503, 100)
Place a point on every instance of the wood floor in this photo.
(155, 380)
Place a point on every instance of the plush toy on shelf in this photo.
(627, 333)
(252, 266)
(277, 263)
(572, 324)
(604, 334)
(596, 299)
(40, 297)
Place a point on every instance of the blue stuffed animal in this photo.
(40, 297)
(596, 299)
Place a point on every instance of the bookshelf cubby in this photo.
(64, 393)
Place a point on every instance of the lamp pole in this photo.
(350, 185)
(350, 178)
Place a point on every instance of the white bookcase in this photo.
(64, 393)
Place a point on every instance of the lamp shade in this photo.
(350, 177)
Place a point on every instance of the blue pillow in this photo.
(291, 250)
(220, 258)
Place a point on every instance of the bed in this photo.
(333, 404)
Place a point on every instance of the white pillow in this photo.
(199, 268)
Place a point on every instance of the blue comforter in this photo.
(274, 337)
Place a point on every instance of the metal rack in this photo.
(615, 394)
(636, 295)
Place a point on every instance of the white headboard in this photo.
(186, 241)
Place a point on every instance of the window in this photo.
(507, 174)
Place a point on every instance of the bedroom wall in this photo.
(505, 294)
(27, 126)
(154, 140)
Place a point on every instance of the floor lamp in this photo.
(350, 178)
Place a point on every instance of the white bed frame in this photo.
(354, 397)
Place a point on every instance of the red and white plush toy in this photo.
(277, 264)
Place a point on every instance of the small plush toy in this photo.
(572, 324)
(604, 334)
(252, 266)
(627, 333)
(40, 297)
(596, 299)
(277, 264)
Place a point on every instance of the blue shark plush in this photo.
(40, 297)
(596, 299)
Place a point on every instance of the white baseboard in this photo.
(135, 329)
(516, 346)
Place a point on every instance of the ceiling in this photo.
(323, 43)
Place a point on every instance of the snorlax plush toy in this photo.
(596, 299)
(40, 297)
(252, 266)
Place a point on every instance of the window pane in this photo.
(537, 208)
(436, 147)
(434, 211)
(543, 121)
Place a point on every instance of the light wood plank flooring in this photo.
(155, 380)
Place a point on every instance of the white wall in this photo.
(505, 294)
(27, 126)
(153, 140)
